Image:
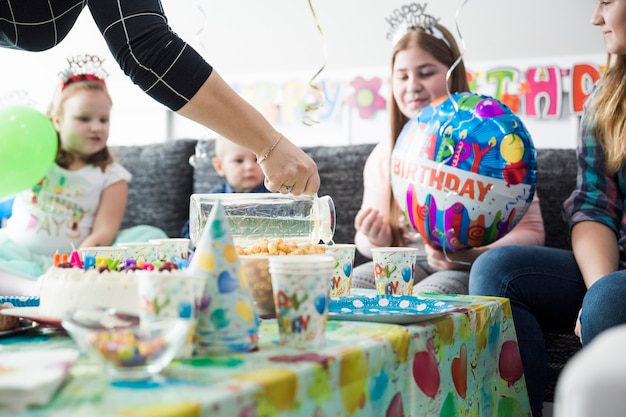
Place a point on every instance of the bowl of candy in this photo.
(129, 349)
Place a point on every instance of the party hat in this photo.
(227, 319)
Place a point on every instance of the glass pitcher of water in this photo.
(254, 216)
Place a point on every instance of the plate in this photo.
(31, 313)
(24, 325)
(396, 309)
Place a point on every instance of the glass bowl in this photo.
(256, 270)
(130, 350)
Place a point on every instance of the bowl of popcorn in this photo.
(255, 266)
(128, 349)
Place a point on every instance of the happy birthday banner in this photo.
(537, 92)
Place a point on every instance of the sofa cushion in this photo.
(341, 175)
(556, 178)
(162, 182)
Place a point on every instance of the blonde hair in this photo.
(445, 51)
(221, 144)
(607, 113)
(55, 110)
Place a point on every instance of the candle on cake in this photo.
(75, 260)
(227, 319)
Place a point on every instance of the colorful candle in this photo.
(101, 261)
(75, 260)
(130, 264)
(90, 262)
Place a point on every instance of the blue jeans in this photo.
(546, 291)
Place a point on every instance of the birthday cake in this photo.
(65, 288)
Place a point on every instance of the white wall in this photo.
(247, 40)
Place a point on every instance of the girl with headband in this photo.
(81, 200)
(423, 52)
(580, 290)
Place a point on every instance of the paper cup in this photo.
(341, 280)
(140, 251)
(173, 249)
(393, 269)
(173, 295)
(301, 298)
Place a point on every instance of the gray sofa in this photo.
(163, 180)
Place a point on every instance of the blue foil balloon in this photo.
(463, 171)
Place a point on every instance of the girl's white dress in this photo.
(53, 215)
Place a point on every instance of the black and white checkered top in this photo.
(137, 34)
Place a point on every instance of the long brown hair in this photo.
(447, 52)
(55, 110)
(607, 108)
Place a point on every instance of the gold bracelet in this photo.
(267, 154)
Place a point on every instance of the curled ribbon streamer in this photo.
(456, 108)
(458, 60)
(308, 119)
(203, 27)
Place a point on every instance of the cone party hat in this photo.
(227, 319)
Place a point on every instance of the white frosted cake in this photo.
(66, 289)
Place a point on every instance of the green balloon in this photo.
(28, 148)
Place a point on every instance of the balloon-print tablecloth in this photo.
(465, 363)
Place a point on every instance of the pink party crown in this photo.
(83, 67)
(412, 17)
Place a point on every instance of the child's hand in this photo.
(374, 225)
(451, 261)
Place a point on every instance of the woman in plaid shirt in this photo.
(167, 69)
(582, 290)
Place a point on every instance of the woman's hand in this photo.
(289, 169)
(374, 225)
(578, 326)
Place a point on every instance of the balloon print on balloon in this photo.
(463, 171)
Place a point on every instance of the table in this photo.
(465, 363)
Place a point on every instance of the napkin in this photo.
(227, 319)
(30, 378)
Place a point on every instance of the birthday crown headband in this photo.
(412, 17)
(83, 68)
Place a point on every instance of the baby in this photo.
(237, 165)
